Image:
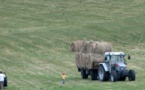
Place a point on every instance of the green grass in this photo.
(35, 37)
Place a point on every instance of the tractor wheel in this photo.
(5, 82)
(93, 75)
(113, 76)
(83, 74)
(103, 75)
(123, 76)
(131, 76)
(96, 74)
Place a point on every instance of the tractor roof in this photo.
(114, 53)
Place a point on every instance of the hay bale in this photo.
(92, 47)
(76, 46)
(81, 59)
(94, 60)
(78, 59)
(84, 59)
(90, 53)
(85, 46)
(102, 47)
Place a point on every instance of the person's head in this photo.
(63, 73)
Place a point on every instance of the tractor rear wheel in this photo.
(103, 75)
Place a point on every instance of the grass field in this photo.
(35, 37)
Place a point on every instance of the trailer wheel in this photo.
(93, 74)
(103, 75)
(131, 76)
(96, 74)
(79, 69)
(83, 74)
(113, 76)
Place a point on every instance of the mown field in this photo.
(35, 37)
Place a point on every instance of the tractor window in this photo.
(121, 59)
(113, 59)
(117, 58)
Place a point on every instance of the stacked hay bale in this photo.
(94, 60)
(76, 46)
(90, 53)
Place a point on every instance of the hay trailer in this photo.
(114, 68)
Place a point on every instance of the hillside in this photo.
(35, 37)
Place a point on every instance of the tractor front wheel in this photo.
(131, 76)
(113, 76)
(124, 74)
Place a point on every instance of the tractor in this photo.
(114, 68)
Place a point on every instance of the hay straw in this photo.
(94, 60)
(102, 47)
(92, 47)
(75, 46)
(84, 59)
(85, 46)
(90, 53)
(78, 59)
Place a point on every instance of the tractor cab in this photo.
(115, 60)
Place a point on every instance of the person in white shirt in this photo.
(5, 80)
(2, 76)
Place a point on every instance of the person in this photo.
(63, 77)
(5, 80)
(2, 76)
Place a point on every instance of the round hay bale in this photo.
(84, 59)
(81, 64)
(102, 47)
(78, 59)
(85, 46)
(75, 46)
(92, 47)
(94, 60)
